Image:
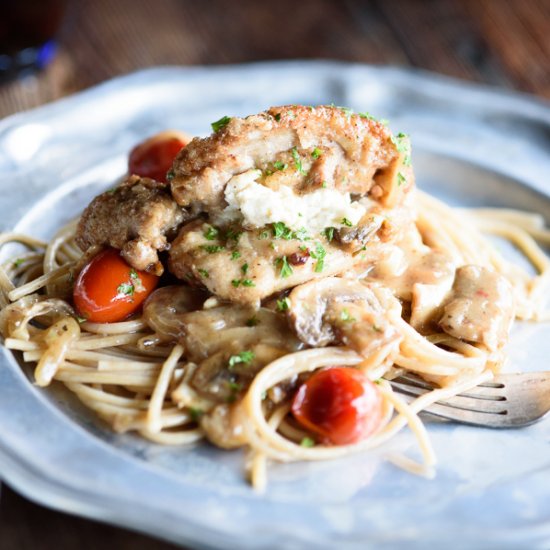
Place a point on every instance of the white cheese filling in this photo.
(260, 205)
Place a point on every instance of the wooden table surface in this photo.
(499, 42)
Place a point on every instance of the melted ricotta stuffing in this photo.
(260, 205)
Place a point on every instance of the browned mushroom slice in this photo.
(341, 311)
(480, 308)
(224, 376)
(135, 217)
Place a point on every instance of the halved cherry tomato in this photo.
(154, 157)
(340, 404)
(107, 290)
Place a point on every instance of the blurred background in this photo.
(53, 48)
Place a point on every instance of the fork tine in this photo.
(461, 401)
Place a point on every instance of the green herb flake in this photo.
(319, 255)
(126, 288)
(195, 414)
(211, 233)
(376, 328)
(297, 160)
(263, 235)
(283, 304)
(316, 153)
(235, 255)
(346, 222)
(212, 248)
(233, 235)
(252, 322)
(281, 231)
(286, 270)
(81, 319)
(243, 357)
(170, 175)
(307, 442)
(346, 317)
(244, 268)
(366, 115)
(324, 185)
(278, 165)
(277, 117)
(243, 282)
(204, 273)
(328, 232)
(219, 124)
(18, 262)
(400, 179)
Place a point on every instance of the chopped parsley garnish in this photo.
(297, 160)
(244, 268)
(316, 153)
(307, 442)
(212, 248)
(402, 146)
(263, 235)
(195, 414)
(81, 319)
(126, 288)
(278, 165)
(235, 255)
(324, 185)
(283, 304)
(286, 270)
(366, 115)
(204, 273)
(136, 281)
(242, 357)
(328, 232)
(211, 233)
(235, 388)
(18, 262)
(219, 124)
(242, 282)
(400, 179)
(346, 222)
(252, 322)
(281, 231)
(319, 255)
(346, 317)
(170, 175)
(277, 117)
(233, 234)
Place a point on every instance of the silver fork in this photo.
(507, 401)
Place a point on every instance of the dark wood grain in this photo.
(498, 42)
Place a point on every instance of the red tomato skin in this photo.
(97, 295)
(155, 156)
(340, 404)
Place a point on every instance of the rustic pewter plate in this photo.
(471, 146)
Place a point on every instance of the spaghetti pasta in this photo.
(164, 383)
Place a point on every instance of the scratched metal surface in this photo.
(471, 146)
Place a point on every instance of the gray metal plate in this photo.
(471, 146)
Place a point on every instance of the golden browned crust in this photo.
(134, 218)
(354, 151)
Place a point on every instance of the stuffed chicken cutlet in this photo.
(274, 200)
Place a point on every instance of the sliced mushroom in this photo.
(341, 311)
(226, 375)
(354, 238)
(163, 309)
(209, 331)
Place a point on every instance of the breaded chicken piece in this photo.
(135, 217)
(305, 148)
(304, 155)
